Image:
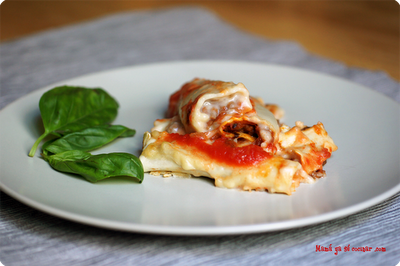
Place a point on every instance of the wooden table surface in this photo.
(358, 33)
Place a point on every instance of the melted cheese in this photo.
(200, 109)
(217, 130)
(273, 174)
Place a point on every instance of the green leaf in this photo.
(69, 109)
(88, 139)
(97, 167)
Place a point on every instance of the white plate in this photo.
(363, 172)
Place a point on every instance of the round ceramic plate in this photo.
(363, 172)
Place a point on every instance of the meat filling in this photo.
(242, 132)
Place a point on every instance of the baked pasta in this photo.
(216, 129)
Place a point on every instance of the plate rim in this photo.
(203, 230)
(249, 62)
(199, 230)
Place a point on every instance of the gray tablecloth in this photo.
(30, 237)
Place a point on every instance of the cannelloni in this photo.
(216, 129)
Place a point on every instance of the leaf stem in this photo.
(34, 148)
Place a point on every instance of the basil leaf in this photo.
(69, 109)
(88, 139)
(97, 167)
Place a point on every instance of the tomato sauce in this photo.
(314, 160)
(222, 149)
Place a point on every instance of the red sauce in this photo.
(323, 155)
(222, 150)
(315, 159)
